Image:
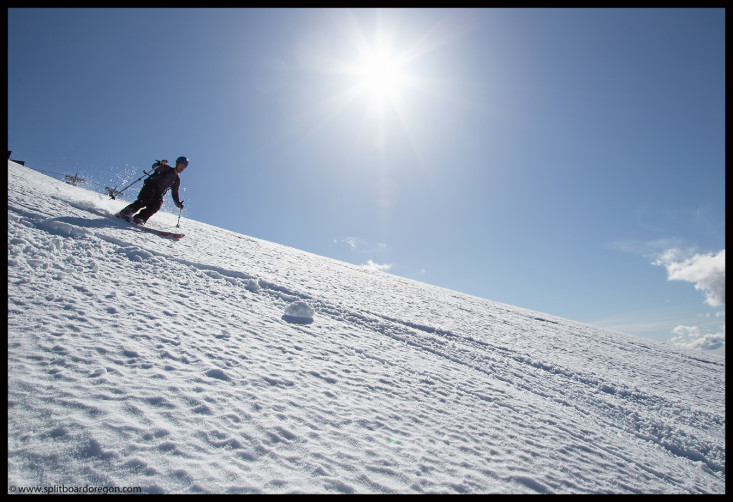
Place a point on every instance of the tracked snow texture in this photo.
(177, 367)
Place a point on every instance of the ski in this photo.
(162, 233)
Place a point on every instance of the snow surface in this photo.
(222, 363)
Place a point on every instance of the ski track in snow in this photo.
(139, 361)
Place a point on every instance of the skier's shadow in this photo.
(65, 225)
(77, 221)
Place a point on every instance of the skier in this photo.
(155, 187)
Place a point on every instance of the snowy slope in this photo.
(139, 361)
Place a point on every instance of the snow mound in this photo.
(299, 312)
(253, 285)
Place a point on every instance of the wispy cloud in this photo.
(705, 271)
(359, 244)
(651, 249)
(662, 220)
(352, 242)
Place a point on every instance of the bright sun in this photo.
(381, 71)
(381, 74)
(376, 82)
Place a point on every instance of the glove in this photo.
(180, 205)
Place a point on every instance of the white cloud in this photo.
(706, 271)
(685, 333)
(370, 265)
(691, 337)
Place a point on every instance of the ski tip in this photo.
(169, 234)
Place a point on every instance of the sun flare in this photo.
(381, 74)
(381, 71)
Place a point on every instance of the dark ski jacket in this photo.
(164, 178)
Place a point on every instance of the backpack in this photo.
(156, 170)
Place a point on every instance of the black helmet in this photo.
(182, 160)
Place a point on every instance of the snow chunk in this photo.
(299, 312)
(253, 285)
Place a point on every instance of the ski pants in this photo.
(149, 198)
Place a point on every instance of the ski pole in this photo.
(180, 210)
(112, 191)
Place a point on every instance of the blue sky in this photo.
(569, 161)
